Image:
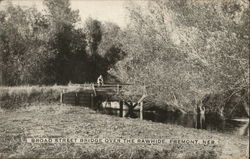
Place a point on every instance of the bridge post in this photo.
(76, 99)
(141, 110)
(121, 108)
(61, 96)
(118, 89)
(92, 100)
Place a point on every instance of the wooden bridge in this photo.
(93, 95)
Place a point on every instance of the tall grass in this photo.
(14, 97)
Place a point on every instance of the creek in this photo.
(210, 122)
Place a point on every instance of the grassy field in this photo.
(64, 121)
(15, 97)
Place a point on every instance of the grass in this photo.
(59, 120)
(15, 97)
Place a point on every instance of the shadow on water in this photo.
(211, 122)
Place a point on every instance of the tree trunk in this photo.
(221, 113)
(246, 106)
(1, 71)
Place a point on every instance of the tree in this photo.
(183, 50)
(93, 32)
(67, 43)
(103, 47)
(38, 48)
(22, 37)
(60, 14)
(110, 49)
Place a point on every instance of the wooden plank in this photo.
(85, 97)
(69, 101)
(68, 97)
(85, 103)
(104, 85)
(84, 93)
(85, 100)
(105, 93)
(73, 99)
(141, 99)
(106, 90)
(69, 93)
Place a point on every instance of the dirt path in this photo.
(231, 151)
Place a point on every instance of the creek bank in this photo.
(228, 105)
(65, 121)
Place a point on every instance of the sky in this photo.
(103, 10)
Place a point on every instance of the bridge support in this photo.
(92, 100)
(61, 96)
(121, 108)
(141, 110)
(131, 107)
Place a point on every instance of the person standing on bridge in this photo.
(100, 81)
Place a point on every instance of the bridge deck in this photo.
(87, 95)
(108, 89)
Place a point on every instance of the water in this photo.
(212, 122)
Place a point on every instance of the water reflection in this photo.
(244, 129)
(211, 122)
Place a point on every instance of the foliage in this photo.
(48, 47)
(102, 46)
(183, 50)
(179, 51)
(23, 45)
